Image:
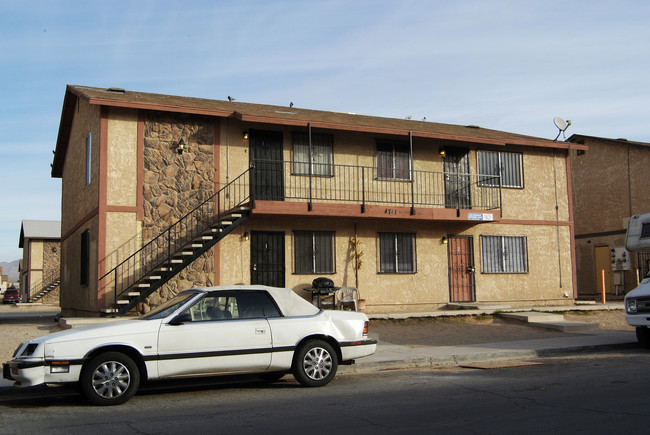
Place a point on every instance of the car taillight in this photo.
(365, 328)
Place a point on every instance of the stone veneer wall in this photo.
(175, 184)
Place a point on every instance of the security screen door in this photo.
(461, 268)
(266, 158)
(457, 182)
(267, 258)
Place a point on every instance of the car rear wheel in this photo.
(315, 364)
(111, 378)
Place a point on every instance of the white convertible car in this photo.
(200, 332)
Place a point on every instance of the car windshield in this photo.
(170, 306)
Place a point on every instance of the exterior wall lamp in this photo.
(443, 153)
(245, 135)
(181, 147)
(444, 240)
(244, 237)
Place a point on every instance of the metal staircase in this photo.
(48, 284)
(153, 265)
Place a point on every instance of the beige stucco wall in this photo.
(75, 298)
(122, 163)
(545, 180)
(123, 229)
(35, 264)
(78, 203)
(79, 200)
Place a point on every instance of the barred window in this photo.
(321, 154)
(393, 161)
(314, 252)
(508, 165)
(504, 254)
(396, 252)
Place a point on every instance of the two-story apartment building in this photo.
(40, 267)
(610, 184)
(172, 192)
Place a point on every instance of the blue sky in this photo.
(506, 65)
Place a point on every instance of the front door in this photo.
(457, 183)
(461, 268)
(266, 158)
(267, 258)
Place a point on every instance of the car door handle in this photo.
(260, 331)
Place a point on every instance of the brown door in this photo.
(461, 268)
(603, 261)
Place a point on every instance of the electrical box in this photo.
(620, 258)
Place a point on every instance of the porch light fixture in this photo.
(443, 240)
(244, 237)
(245, 135)
(181, 147)
(443, 153)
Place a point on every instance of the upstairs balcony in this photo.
(300, 189)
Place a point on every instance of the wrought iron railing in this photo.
(51, 278)
(160, 250)
(370, 185)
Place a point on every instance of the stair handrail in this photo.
(46, 281)
(171, 245)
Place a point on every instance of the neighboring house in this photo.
(161, 193)
(610, 184)
(41, 262)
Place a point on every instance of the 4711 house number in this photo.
(390, 211)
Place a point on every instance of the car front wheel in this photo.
(315, 364)
(643, 336)
(111, 378)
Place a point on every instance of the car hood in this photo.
(115, 329)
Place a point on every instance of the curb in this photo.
(481, 357)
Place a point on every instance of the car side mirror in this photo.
(180, 319)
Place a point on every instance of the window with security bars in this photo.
(321, 154)
(396, 252)
(504, 254)
(492, 164)
(314, 252)
(393, 161)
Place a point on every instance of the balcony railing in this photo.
(279, 181)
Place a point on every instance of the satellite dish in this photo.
(562, 125)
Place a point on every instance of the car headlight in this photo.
(630, 306)
(29, 349)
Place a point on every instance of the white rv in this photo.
(637, 302)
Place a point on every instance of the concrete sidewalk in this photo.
(393, 357)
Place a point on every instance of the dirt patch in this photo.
(451, 331)
(613, 320)
(15, 332)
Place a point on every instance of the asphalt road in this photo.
(591, 394)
